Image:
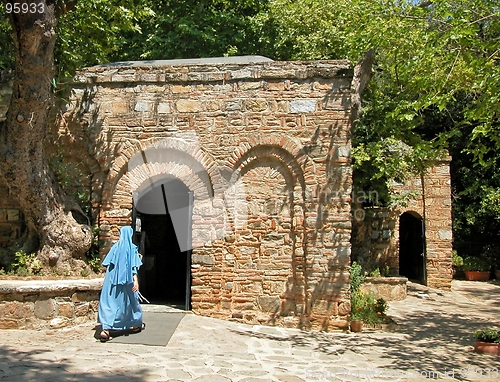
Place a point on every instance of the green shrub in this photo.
(358, 304)
(385, 271)
(472, 263)
(95, 264)
(356, 277)
(93, 258)
(373, 311)
(456, 260)
(364, 306)
(25, 264)
(381, 306)
(487, 335)
(379, 272)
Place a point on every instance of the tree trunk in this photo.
(23, 162)
(362, 75)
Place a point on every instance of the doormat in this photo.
(159, 329)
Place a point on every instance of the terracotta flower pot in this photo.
(356, 326)
(487, 347)
(497, 274)
(477, 275)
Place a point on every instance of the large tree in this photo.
(194, 28)
(44, 44)
(436, 82)
(23, 161)
(436, 85)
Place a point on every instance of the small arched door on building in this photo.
(162, 219)
(412, 247)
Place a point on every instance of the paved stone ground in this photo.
(433, 341)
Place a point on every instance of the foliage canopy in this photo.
(436, 83)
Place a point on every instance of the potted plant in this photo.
(476, 268)
(358, 303)
(487, 341)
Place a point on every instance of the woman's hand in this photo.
(135, 287)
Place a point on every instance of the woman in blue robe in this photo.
(119, 307)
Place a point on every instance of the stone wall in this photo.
(375, 239)
(436, 210)
(35, 304)
(265, 150)
(388, 288)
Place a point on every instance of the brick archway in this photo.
(136, 149)
(169, 157)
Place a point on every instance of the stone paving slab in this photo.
(433, 341)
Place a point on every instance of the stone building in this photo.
(416, 240)
(235, 174)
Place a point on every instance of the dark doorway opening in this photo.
(162, 221)
(412, 247)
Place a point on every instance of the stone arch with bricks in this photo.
(176, 158)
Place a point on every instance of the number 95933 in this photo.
(25, 7)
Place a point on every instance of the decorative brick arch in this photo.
(74, 150)
(290, 159)
(133, 171)
(194, 155)
(290, 148)
(147, 174)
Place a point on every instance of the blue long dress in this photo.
(119, 307)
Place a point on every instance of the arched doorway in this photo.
(412, 247)
(163, 220)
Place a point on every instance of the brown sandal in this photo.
(104, 336)
(138, 329)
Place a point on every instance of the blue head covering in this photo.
(123, 257)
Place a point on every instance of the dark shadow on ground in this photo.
(39, 365)
(487, 295)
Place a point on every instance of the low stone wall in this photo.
(35, 304)
(388, 288)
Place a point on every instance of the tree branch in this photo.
(65, 6)
(424, 4)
